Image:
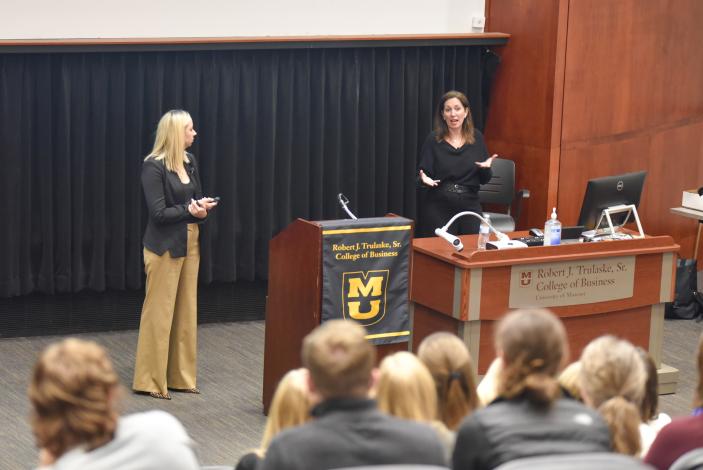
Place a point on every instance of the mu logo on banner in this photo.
(364, 295)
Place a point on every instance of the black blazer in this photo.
(168, 217)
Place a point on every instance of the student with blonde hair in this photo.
(290, 407)
(405, 389)
(348, 430)
(530, 417)
(74, 392)
(612, 381)
(167, 349)
(449, 362)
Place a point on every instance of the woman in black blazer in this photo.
(166, 351)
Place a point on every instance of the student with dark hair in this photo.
(348, 430)
(530, 417)
(652, 420)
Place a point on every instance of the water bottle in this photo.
(484, 233)
(552, 230)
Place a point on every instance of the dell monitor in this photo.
(609, 191)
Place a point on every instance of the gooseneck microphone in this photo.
(343, 201)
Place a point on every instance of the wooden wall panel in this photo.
(590, 88)
(525, 114)
(633, 99)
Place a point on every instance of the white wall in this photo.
(59, 19)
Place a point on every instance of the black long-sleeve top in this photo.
(167, 200)
(441, 161)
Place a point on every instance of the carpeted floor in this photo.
(226, 420)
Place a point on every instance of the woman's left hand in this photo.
(196, 210)
(487, 163)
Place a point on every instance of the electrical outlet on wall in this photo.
(478, 23)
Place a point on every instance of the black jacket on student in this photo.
(167, 200)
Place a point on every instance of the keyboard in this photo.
(531, 241)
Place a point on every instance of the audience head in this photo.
(340, 359)
(698, 394)
(171, 138)
(649, 407)
(405, 388)
(569, 380)
(532, 344)
(449, 362)
(72, 393)
(612, 380)
(290, 406)
(441, 128)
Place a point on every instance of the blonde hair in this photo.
(569, 380)
(169, 144)
(339, 358)
(612, 380)
(72, 395)
(290, 406)
(698, 394)
(405, 388)
(449, 362)
(534, 348)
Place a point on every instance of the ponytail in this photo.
(460, 400)
(623, 419)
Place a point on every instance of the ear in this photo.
(373, 381)
(311, 385)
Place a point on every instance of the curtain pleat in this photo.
(280, 134)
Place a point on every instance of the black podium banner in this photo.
(365, 275)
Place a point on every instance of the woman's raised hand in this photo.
(487, 163)
(427, 181)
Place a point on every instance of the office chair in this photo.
(500, 190)
(591, 461)
(693, 459)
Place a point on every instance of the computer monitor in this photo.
(609, 191)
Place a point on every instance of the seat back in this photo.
(693, 459)
(591, 461)
(501, 188)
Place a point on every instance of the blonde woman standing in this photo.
(166, 351)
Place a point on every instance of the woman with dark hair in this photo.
(530, 417)
(652, 420)
(454, 162)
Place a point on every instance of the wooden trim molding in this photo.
(248, 43)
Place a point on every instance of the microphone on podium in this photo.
(343, 201)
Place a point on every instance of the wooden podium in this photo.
(294, 300)
(465, 293)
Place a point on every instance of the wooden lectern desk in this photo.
(294, 300)
(465, 293)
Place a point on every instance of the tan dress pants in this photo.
(167, 346)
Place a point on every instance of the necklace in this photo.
(455, 142)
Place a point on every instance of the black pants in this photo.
(440, 205)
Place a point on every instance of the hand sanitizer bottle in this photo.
(552, 230)
(484, 233)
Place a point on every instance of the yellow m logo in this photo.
(368, 288)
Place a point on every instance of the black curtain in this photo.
(280, 133)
